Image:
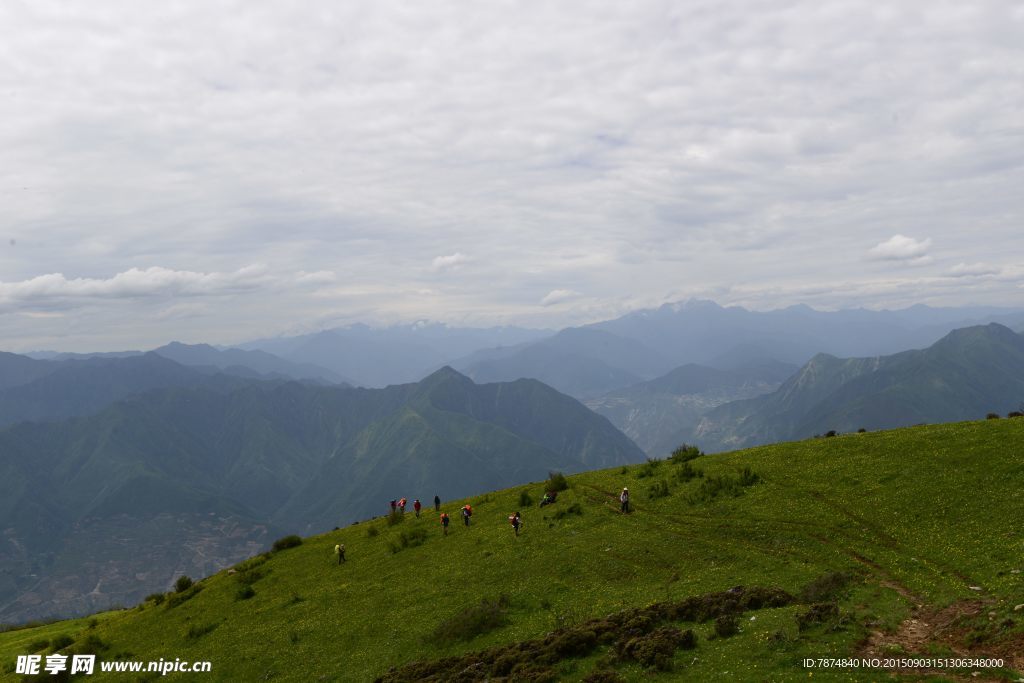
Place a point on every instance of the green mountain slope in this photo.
(965, 375)
(258, 458)
(913, 535)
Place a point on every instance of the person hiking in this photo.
(339, 550)
(401, 505)
(444, 522)
(467, 512)
(437, 503)
(516, 521)
(546, 500)
(416, 506)
(624, 499)
(394, 505)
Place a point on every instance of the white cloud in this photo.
(558, 296)
(901, 248)
(973, 270)
(450, 262)
(320, 277)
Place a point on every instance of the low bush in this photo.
(252, 562)
(178, 598)
(525, 499)
(1015, 413)
(685, 453)
(286, 542)
(816, 614)
(408, 539)
(992, 416)
(37, 645)
(726, 626)
(182, 584)
(244, 593)
(475, 620)
(556, 482)
(60, 642)
(687, 472)
(197, 631)
(723, 486)
(574, 509)
(250, 577)
(648, 468)
(372, 532)
(658, 489)
(825, 587)
(155, 598)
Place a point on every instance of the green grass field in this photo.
(928, 522)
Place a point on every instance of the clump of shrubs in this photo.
(408, 539)
(687, 472)
(1015, 413)
(182, 584)
(723, 486)
(819, 613)
(475, 620)
(525, 499)
(155, 598)
(656, 649)
(658, 489)
(685, 453)
(285, 542)
(556, 482)
(648, 468)
(196, 631)
(245, 592)
(372, 532)
(60, 642)
(726, 626)
(992, 416)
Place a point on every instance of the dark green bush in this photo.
(60, 642)
(250, 577)
(182, 584)
(525, 499)
(286, 542)
(648, 468)
(1015, 413)
(178, 598)
(408, 539)
(818, 613)
(687, 472)
(556, 482)
(37, 645)
(685, 453)
(472, 621)
(658, 489)
(992, 416)
(197, 631)
(372, 532)
(155, 598)
(726, 626)
(244, 593)
(574, 509)
(825, 587)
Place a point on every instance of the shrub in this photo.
(286, 542)
(830, 433)
(60, 642)
(685, 453)
(408, 539)
(1015, 413)
(556, 482)
(395, 517)
(748, 477)
(726, 626)
(818, 613)
(992, 416)
(525, 499)
(372, 532)
(178, 598)
(648, 468)
(37, 645)
(688, 472)
(861, 430)
(244, 593)
(182, 584)
(155, 598)
(250, 577)
(472, 621)
(658, 489)
(603, 676)
(252, 562)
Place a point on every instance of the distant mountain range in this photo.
(661, 413)
(964, 376)
(89, 504)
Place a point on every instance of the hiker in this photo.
(516, 521)
(444, 522)
(549, 498)
(437, 503)
(467, 512)
(416, 506)
(394, 505)
(401, 505)
(339, 550)
(624, 499)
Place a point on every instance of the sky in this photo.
(221, 171)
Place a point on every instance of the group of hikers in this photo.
(516, 520)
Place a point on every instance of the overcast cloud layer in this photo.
(218, 171)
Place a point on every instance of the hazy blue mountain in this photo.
(377, 357)
(659, 414)
(223, 465)
(16, 369)
(965, 375)
(81, 387)
(578, 361)
(233, 360)
(704, 332)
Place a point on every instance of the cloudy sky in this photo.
(218, 171)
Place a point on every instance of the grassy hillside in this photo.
(923, 523)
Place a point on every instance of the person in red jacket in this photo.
(444, 522)
(416, 506)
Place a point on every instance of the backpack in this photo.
(337, 550)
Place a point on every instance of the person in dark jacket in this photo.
(437, 503)
(516, 521)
